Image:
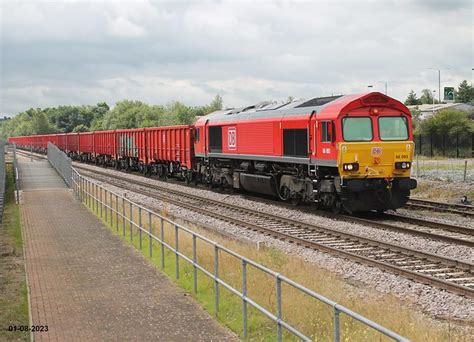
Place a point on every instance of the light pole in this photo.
(439, 82)
(369, 87)
(386, 85)
(433, 96)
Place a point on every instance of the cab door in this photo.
(325, 142)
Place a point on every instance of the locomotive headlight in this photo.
(403, 165)
(350, 166)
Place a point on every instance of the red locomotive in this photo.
(351, 153)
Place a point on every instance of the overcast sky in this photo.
(78, 52)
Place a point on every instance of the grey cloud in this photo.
(189, 51)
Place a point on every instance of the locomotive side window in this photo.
(393, 128)
(357, 129)
(215, 139)
(295, 142)
(326, 131)
(196, 134)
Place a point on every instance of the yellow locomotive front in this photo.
(375, 159)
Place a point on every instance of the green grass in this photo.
(13, 291)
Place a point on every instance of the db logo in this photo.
(232, 138)
(376, 151)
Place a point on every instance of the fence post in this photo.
(176, 237)
(116, 213)
(150, 230)
(162, 236)
(278, 295)
(123, 216)
(105, 205)
(465, 171)
(337, 335)
(111, 210)
(216, 276)
(140, 227)
(131, 221)
(457, 145)
(194, 264)
(244, 297)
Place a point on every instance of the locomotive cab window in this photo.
(357, 129)
(393, 128)
(196, 134)
(215, 139)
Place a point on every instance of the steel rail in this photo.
(453, 208)
(400, 260)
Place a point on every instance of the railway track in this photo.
(436, 230)
(454, 208)
(445, 273)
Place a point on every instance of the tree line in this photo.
(125, 114)
(464, 94)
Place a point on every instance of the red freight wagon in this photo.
(131, 148)
(86, 143)
(105, 146)
(62, 141)
(72, 143)
(172, 144)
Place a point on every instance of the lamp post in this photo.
(369, 87)
(433, 96)
(439, 82)
(386, 85)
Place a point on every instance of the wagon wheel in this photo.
(188, 177)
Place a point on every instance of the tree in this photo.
(216, 104)
(412, 100)
(447, 121)
(465, 93)
(427, 97)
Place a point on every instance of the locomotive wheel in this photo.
(296, 201)
(285, 193)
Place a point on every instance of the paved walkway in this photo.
(85, 284)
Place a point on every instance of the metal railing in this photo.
(61, 162)
(103, 201)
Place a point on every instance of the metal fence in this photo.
(2, 179)
(145, 223)
(61, 162)
(460, 145)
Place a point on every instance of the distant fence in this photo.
(136, 221)
(459, 145)
(61, 162)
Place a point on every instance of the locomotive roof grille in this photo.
(318, 101)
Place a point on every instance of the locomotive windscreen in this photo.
(295, 142)
(215, 139)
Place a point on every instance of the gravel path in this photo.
(436, 303)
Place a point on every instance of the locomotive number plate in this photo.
(402, 156)
(376, 151)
